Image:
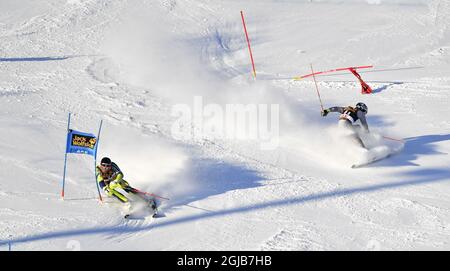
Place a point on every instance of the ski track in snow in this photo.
(52, 63)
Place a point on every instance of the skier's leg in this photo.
(124, 184)
(114, 192)
(349, 132)
(356, 138)
(140, 195)
(151, 201)
(127, 188)
(358, 141)
(119, 196)
(154, 204)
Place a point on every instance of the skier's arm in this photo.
(362, 119)
(338, 109)
(118, 177)
(98, 175)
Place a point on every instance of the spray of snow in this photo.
(177, 74)
(148, 163)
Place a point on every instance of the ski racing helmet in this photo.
(105, 161)
(362, 107)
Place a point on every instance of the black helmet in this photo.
(362, 107)
(105, 161)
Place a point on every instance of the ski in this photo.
(154, 215)
(376, 159)
(152, 205)
(358, 165)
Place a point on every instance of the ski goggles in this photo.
(105, 165)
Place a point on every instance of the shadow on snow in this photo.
(40, 59)
(415, 147)
(416, 177)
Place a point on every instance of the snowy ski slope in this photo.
(129, 63)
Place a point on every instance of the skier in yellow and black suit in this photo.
(110, 177)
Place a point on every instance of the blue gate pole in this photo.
(95, 160)
(65, 160)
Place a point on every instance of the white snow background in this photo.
(129, 62)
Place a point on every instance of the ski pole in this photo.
(317, 88)
(150, 194)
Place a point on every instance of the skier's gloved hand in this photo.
(107, 190)
(113, 185)
(324, 112)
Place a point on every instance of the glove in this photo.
(113, 185)
(107, 190)
(324, 112)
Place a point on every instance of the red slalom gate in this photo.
(248, 44)
(333, 70)
(365, 88)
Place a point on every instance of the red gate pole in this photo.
(248, 44)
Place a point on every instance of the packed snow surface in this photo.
(133, 64)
